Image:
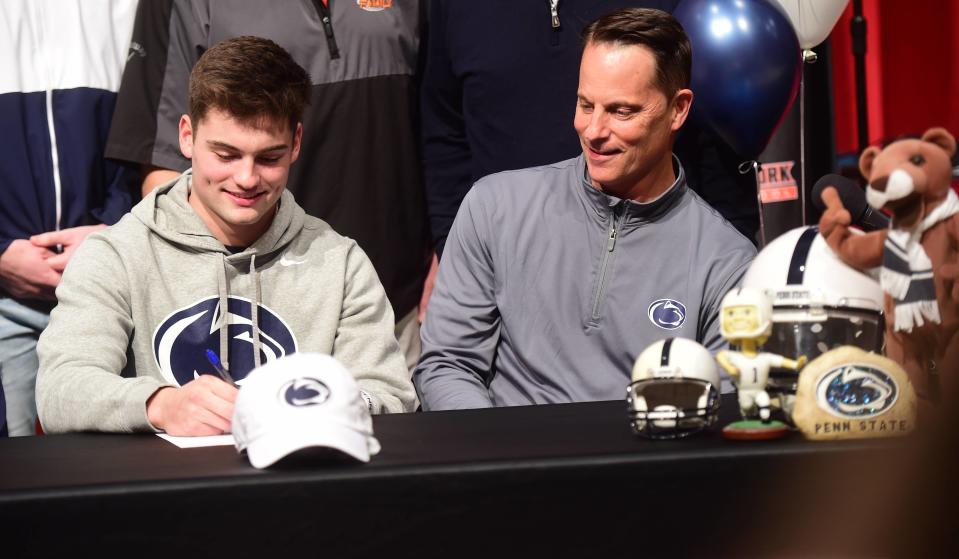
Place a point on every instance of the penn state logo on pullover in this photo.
(668, 314)
(182, 338)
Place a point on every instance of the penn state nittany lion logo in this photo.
(181, 340)
(857, 391)
(304, 391)
(668, 314)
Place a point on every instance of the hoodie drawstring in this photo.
(224, 289)
(224, 314)
(255, 310)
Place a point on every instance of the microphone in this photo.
(854, 199)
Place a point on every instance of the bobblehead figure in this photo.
(746, 323)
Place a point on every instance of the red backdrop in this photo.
(912, 70)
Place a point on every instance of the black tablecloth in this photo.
(568, 480)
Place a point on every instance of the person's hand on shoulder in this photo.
(68, 239)
(199, 408)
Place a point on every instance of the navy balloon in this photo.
(746, 68)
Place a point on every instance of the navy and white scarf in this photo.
(907, 271)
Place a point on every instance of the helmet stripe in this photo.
(797, 266)
(664, 359)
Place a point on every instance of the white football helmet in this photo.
(675, 390)
(819, 303)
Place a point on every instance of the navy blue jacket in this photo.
(56, 104)
(92, 189)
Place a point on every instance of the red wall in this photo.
(912, 70)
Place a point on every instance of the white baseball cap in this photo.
(304, 400)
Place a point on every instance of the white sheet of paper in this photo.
(196, 442)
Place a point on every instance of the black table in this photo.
(567, 480)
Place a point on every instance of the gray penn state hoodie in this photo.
(142, 301)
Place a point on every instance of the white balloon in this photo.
(813, 19)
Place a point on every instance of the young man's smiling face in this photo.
(240, 169)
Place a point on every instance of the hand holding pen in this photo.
(214, 360)
(203, 406)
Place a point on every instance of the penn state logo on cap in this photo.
(856, 390)
(668, 314)
(182, 338)
(304, 400)
(305, 391)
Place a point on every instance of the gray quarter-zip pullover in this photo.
(549, 289)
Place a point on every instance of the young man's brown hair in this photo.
(656, 30)
(251, 79)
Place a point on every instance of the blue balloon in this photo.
(746, 68)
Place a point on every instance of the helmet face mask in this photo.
(675, 390)
(670, 408)
(813, 331)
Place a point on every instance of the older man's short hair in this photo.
(654, 29)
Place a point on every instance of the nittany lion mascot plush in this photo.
(918, 255)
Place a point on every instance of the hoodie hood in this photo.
(167, 212)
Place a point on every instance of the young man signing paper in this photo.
(215, 273)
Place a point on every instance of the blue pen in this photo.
(214, 360)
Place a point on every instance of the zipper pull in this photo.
(330, 38)
(617, 219)
(554, 12)
(611, 242)
(326, 19)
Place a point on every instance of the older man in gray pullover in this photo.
(555, 278)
